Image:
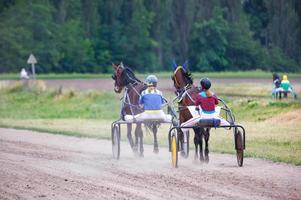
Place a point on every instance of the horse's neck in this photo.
(131, 78)
(132, 98)
(189, 96)
(136, 87)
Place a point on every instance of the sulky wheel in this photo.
(116, 142)
(185, 144)
(174, 149)
(239, 148)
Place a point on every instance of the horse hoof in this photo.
(135, 150)
(156, 150)
(141, 155)
(207, 160)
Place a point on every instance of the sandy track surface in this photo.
(45, 166)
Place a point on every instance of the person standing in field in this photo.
(24, 74)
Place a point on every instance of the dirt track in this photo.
(45, 166)
(106, 84)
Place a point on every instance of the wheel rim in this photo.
(240, 149)
(115, 142)
(174, 151)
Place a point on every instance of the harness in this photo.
(182, 92)
(175, 78)
(126, 99)
(185, 93)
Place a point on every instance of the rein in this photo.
(182, 92)
(132, 83)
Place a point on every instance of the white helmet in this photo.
(151, 80)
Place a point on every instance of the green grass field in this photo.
(273, 127)
(227, 74)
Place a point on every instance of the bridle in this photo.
(180, 90)
(174, 75)
(129, 83)
(118, 76)
(183, 91)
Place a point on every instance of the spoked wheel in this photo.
(116, 142)
(185, 144)
(174, 149)
(239, 148)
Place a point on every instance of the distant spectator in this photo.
(24, 74)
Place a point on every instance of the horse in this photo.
(186, 95)
(126, 80)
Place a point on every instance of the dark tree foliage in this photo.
(87, 36)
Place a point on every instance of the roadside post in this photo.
(32, 60)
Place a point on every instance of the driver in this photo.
(205, 104)
(151, 100)
(285, 84)
(206, 99)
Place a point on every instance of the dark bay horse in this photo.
(187, 94)
(125, 79)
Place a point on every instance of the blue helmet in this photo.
(151, 80)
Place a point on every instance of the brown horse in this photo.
(125, 79)
(187, 94)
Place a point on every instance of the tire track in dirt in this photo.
(46, 166)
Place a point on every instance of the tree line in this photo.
(88, 35)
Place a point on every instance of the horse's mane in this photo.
(128, 76)
(188, 77)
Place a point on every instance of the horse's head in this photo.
(181, 76)
(123, 76)
(118, 77)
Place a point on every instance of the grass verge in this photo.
(166, 74)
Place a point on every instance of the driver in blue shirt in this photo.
(151, 100)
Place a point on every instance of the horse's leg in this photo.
(201, 136)
(129, 136)
(137, 135)
(198, 143)
(196, 146)
(181, 140)
(207, 136)
(155, 130)
(140, 135)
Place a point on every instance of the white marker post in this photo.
(32, 60)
